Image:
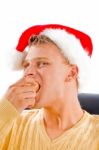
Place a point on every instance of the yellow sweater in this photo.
(27, 132)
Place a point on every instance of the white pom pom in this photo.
(15, 59)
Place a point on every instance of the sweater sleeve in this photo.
(8, 114)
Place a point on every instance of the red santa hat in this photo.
(75, 45)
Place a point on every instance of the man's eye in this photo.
(42, 64)
(25, 65)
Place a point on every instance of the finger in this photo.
(25, 89)
(22, 86)
(31, 103)
(26, 95)
(30, 79)
(17, 83)
(25, 82)
(30, 86)
(29, 99)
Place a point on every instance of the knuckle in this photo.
(12, 88)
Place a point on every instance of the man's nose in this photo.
(30, 71)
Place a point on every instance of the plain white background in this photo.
(16, 16)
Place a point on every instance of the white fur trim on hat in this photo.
(71, 48)
(16, 60)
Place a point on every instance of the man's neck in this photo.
(63, 117)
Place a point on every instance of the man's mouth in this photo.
(36, 85)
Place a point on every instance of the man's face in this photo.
(45, 65)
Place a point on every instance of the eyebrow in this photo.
(35, 59)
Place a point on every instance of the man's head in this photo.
(46, 64)
(75, 45)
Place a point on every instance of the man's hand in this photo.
(22, 93)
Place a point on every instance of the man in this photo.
(54, 69)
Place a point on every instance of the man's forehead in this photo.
(36, 58)
(42, 52)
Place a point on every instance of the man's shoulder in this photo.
(95, 119)
(95, 122)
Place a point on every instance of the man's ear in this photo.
(73, 73)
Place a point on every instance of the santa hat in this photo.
(74, 44)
